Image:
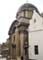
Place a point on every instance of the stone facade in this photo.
(19, 32)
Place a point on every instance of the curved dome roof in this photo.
(27, 6)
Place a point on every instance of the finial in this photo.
(26, 1)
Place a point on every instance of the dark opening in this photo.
(21, 57)
(36, 49)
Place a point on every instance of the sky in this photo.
(8, 10)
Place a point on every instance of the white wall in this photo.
(35, 37)
(38, 24)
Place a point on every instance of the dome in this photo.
(27, 6)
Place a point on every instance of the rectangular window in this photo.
(22, 13)
(36, 49)
(26, 14)
(30, 14)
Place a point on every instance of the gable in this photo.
(35, 22)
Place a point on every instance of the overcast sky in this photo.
(8, 10)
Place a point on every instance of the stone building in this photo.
(4, 49)
(26, 34)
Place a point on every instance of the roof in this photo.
(12, 27)
(27, 6)
(41, 14)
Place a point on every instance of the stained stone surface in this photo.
(2, 58)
